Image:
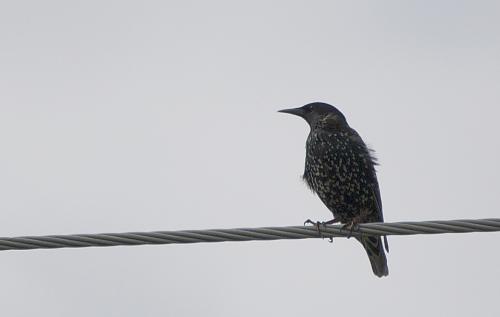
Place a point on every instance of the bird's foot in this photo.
(323, 223)
(351, 226)
(330, 222)
(317, 225)
(311, 222)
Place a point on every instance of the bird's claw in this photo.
(317, 225)
(352, 226)
(310, 222)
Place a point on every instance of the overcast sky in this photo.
(161, 115)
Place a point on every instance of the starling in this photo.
(340, 169)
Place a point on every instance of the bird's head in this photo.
(319, 113)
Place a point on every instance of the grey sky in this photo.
(155, 115)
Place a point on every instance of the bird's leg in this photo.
(351, 226)
(330, 222)
(324, 224)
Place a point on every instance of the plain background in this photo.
(161, 115)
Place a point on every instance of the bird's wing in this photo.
(378, 204)
(369, 155)
(354, 136)
(378, 201)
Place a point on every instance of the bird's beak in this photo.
(296, 111)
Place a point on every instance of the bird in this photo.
(340, 169)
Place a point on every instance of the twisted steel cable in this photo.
(246, 234)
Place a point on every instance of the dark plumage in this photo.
(340, 169)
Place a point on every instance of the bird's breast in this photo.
(335, 169)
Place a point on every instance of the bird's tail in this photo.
(375, 250)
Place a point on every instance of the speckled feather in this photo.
(340, 169)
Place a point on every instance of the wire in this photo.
(246, 234)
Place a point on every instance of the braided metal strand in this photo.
(246, 234)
